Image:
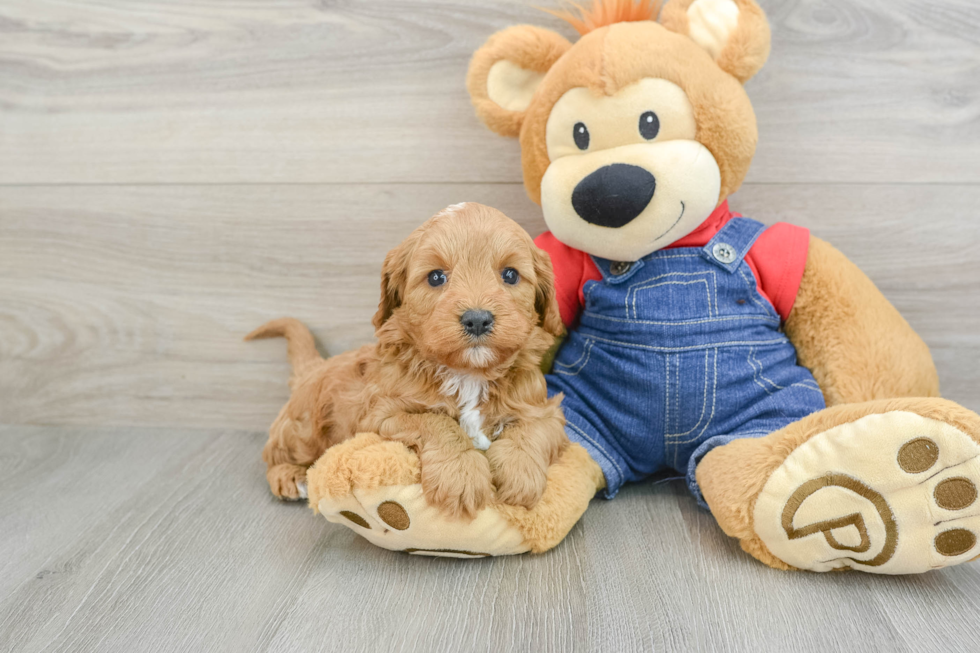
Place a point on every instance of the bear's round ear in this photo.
(506, 71)
(734, 32)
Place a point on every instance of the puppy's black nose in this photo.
(476, 323)
(613, 195)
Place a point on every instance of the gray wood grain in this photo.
(182, 548)
(126, 305)
(151, 91)
(174, 174)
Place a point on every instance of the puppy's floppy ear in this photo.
(545, 300)
(507, 70)
(734, 32)
(393, 277)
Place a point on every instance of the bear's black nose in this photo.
(613, 195)
(476, 322)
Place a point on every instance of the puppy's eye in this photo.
(510, 276)
(437, 278)
(649, 125)
(581, 135)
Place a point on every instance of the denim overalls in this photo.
(674, 355)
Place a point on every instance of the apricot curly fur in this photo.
(396, 387)
(572, 482)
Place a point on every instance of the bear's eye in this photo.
(437, 278)
(649, 125)
(581, 135)
(510, 276)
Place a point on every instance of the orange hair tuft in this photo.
(607, 12)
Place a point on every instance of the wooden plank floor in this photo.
(172, 174)
(139, 539)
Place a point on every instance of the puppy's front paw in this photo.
(519, 476)
(287, 482)
(397, 425)
(459, 484)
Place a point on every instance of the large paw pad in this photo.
(400, 519)
(891, 493)
(372, 486)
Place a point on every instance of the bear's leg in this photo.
(373, 486)
(888, 486)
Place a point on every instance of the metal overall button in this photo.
(619, 268)
(724, 253)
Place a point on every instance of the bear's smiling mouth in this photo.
(683, 208)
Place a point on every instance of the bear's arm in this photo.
(851, 338)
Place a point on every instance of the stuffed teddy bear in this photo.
(757, 362)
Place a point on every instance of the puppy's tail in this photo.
(300, 347)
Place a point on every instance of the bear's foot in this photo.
(373, 486)
(888, 488)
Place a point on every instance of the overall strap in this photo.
(732, 243)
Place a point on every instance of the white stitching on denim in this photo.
(756, 372)
(714, 397)
(725, 318)
(714, 290)
(670, 397)
(588, 292)
(642, 285)
(709, 345)
(667, 395)
(707, 289)
(587, 354)
(599, 447)
(704, 397)
(799, 384)
(704, 400)
(747, 434)
(761, 369)
(675, 394)
(585, 350)
(806, 386)
(677, 387)
(660, 256)
(753, 291)
(714, 404)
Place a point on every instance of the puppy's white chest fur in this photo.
(470, 392)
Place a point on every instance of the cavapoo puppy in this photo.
(467, 312)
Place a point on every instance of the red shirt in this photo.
(777, 259)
